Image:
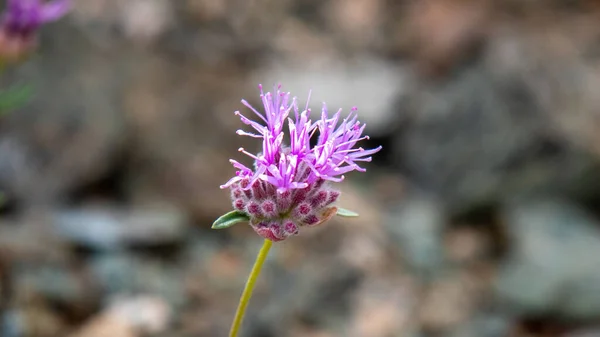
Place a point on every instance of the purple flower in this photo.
(23, 17)
(20, 22)
(288, 187)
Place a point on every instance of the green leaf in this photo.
(229, 219)
(14, 97)
(346, 212)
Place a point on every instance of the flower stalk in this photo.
(247, 294)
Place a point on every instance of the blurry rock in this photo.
(309, 332)
(381, 308)
(32, 319)
(97, 19)
(20, 241)
(115, 272)
(553, 266)
(464, 245)
(145, 20)
(448, 302)
(416, 226)
(519, 117)
(443, 33)
(59, 285)
(558, 66)
(140, 22)
(207, 10)
(128, 317)
(365, 82)
(106, 326)
(149, 314)
(479, 138)
(11, 324)
(123, 273)
(484, 325)
(590, 332)
(294, 32)
(110, 229)
(358, 22)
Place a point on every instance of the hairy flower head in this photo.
(289, 185)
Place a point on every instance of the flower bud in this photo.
(236, 193)
(319, 199)
(269, 208)
(302, 210)
(270, 231)
(239, 205)
(284, 201)
(253, 209)
(290, 228)
(332, 197)
(311, 220)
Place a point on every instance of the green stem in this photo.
(239, 314)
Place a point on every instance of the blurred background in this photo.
(479, 218)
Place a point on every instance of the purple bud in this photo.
(284, 201)
(303, 209)
(268, 188)
(257, 190)
(311, 220)
(239, 205)
(244, 185)
(236, 193)
(319, 199)
(269, 208)
(270, 231)
(290, 228)
(318, 184)
(299, 196)
(253, 209)
(333, 196)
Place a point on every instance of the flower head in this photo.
(288, 187)
(21, 20)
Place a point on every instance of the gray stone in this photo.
(490, 131)
(554, 264)
(484, 325)
(57, 284)
(120, 273)
(12, 324)
(592, 332)
(417, 227)
(110, 229)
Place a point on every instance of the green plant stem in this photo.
(239, 314)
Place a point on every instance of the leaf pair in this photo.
(229, 219)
